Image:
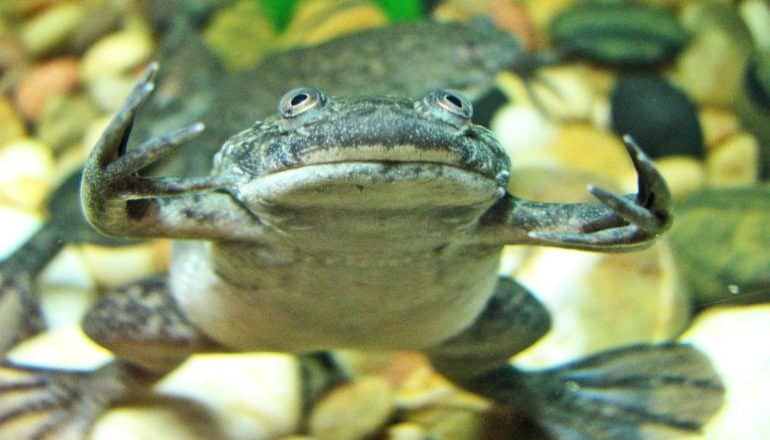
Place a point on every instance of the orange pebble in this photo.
(44, 81)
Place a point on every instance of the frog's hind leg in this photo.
(149, 335)
(642, 391)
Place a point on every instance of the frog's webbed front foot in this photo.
(618, 223)
(118, 201)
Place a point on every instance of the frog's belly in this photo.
(300, 307)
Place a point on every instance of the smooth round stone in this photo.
(661, 118)
(64, 347)
(733, 162)
(52, 27)
(720, 238)
(241, 34)
(756, 15)
(354, 410)
(26, 169)
(11, 123)
(520, 128)
(600, 301)
(683, 174)
(711, 66)
(43, 82)
(65, 119)
(116, 53)
(718, 124)
(154, 422)
(316, 21)
(252, 396)
(113, 267)
(732, 338)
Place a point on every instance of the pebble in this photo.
(733, 339)
(720, 238)
(684, 175)
(59, 75)
(733, 162)
(112, 267)
(65, 347)
(316, 21)
(11, 124)
(26, 167)
(116, 54)
(661, 117)
(449, 423)
(711, 66)
(240, 34)
(564, 93)
(52, 27)
(65, 119)
(18, 226)
(508, 16)
(252, 396)
(594, 294)
(355, 410)
(110, 91)
(756, 15)
(520, 128)
(718, 124)
(154, 422)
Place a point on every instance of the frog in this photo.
(367, 222)
(462, 56)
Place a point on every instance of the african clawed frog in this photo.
(368, 222)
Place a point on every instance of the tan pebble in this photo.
(585, 148)
(733, 162)
(406, 431)
(683, 174)
(116, 53)
(542, 11)
(154, 422)
(67, 269)
(65, 347)
(115, 266)
(595, 294)
(44, 81)
(11, 124)
(507, 16)
(65, 306)
(756, 15)
(252, 396)
(240, 34)
(52, 27)
(718, 124)
(110, 91)
(564, 92)
(26, 167)
(65, 119)
(353, 411)
(424, 387)
(450, 423)
(18, 225)
(732, 338)
(520, 129)
(316, 21)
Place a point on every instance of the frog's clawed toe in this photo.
(111, 167)
(40, 403)
(647, 213)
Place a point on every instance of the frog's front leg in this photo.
(641, 391)
(118, 201)
(618, 223)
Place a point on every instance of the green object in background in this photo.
(280, 11)
(402, 10)
(720, 238)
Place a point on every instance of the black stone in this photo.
(660, 117)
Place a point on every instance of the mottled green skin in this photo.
(409, 59)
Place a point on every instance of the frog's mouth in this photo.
(370, 182)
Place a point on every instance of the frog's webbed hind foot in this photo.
(643, 391)
(42, 403)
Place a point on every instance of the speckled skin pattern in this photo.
(366, 222)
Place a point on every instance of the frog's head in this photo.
(383, 151)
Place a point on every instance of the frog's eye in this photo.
(453, 102)
(298, 101)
